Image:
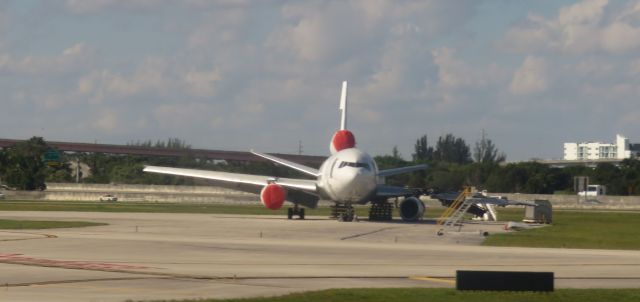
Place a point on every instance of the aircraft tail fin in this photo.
(343, 138)
(343, 106)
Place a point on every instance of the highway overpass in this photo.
(165, 152)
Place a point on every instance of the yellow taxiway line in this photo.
(427, 278)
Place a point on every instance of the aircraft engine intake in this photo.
(411, 209)
(342, 139)
(273, 196)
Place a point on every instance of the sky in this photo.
(266, 75)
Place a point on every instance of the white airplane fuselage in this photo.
(348, 176)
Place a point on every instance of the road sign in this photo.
(52, 158)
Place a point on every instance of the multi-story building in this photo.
(595, 150)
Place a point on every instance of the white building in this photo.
(596, 150)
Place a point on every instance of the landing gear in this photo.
(295, 211)
(381, 211)
(342, 212)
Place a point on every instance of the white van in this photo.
(594, 190)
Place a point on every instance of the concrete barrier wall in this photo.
(137, 193)
(576, 202)
(111, 188)
(24, 195)
(208, 194)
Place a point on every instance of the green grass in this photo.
(6, 224)
(449, 295)
(130, 207)
(593, 230)
(146, 207)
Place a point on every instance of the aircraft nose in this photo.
(359, 176)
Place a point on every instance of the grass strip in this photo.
(6, 224)
(131, 207)
(581, 230)
(447, 295)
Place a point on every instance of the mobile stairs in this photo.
(454, 214)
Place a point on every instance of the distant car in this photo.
(108, 197)
(594, 190)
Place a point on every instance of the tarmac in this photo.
(144, 256)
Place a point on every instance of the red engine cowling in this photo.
(342, 139)
(273, 196)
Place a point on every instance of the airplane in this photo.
(349, 176)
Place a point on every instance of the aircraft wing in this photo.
(302, 191)
(402, 170)
(448, 198)
(502, 202)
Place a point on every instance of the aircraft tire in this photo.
(301, 214)
(290, 213)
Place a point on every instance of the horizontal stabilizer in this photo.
(290, 164)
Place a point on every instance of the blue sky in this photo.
(236, 75)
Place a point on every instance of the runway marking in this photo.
(369, 233)
(81, 281)
(434, 279)
(42, 236)
(69, 264)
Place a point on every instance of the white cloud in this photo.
(220, 26)
(212, 72)
(592, 67)
(634, 68)
(180, 113)
(88, 7)
(107, 120)
(585, 27)
(531, 77)
(620, 37)
(74, 58)
(587, 12)
(452, 72)
(314, 31)
(150, 76)
(202, 83)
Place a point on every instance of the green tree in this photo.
(485, 151)
(630, 169)
(452, 149)
(23, 166)
(395, 153)
(528, 177)
(422, 150)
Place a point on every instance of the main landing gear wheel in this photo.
(381, 211)
(295, 211)
(342, 212)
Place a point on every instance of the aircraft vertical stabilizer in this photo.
(343, 106)
(343, 138)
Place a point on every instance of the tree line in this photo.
(452, 165)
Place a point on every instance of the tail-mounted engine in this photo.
(273, 196)
(342, 139)
(411, 209)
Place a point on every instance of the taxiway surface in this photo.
(142, 256)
